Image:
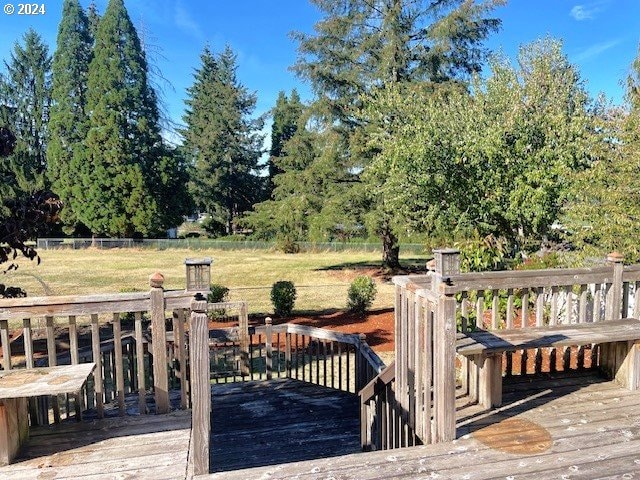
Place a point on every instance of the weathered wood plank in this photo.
(44, 381)
(478, 342)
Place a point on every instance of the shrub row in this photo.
(360, 297)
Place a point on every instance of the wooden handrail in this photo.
(65, 305)
(385, 377)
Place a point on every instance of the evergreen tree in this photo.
(287, 114)
(361, 46)
(94, 20)
(23, 215)
(222, 140)
(25, 98)
(123, 144)
(69, 119)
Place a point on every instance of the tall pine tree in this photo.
(360, 46)
(222, 140)
(123, 142)
(287, 115)
(68, 124)
(25, 98)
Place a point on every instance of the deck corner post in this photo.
(614, 302)
(200, 386)
(159, 341)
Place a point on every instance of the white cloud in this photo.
(588, 11)
(595, 50)
(185, 21)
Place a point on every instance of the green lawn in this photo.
(321, 278)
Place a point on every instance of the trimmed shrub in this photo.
(217, 293)
(362, 292)
(283, 297)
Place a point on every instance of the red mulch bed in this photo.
(377, 325)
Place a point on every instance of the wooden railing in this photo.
(323, 357)
(314, 355)
(124, 364)
(431, 309)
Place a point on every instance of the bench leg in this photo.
(14, 427)
(628, 370)
(490, 380)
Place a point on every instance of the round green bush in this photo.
(283, 297)
(217, 293)
(362, 292)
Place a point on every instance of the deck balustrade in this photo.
(414, 403)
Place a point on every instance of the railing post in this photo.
(444, 384)
(361, 365)
(287, 354)
(243, 326)
(6, 345)
(159, 341)
(614, 302)
(268, 347)
(444, 351)
(200, 385)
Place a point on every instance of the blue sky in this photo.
(601, 37)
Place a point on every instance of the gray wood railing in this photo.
(430, 309)
(323, 357)
(122, 360)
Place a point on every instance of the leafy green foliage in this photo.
(603, 208)
(361, 294)
(359, 47)
(283, 297)
(23, 215)
(217, 293)
(222, 141)
(494, 160)
(481, 255)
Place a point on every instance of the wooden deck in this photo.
(254, 424)
(150, 447)
(576, 427)
(280, 421)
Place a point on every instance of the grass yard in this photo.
(321, 279)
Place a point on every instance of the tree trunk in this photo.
(390, 250)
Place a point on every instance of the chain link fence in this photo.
(204, 243)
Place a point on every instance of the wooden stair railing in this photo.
(383, 423)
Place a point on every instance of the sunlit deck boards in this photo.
(281, 421)
(593, 428)
(141, 447)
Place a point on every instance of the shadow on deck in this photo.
(265, 423)
(573, 426)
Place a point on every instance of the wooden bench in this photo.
(619, 355)
(17, 386)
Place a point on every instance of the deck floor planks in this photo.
(281, 421)
(127, 447)
(594, 425)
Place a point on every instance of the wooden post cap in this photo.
(268, 321)
(431, 265)
(615, 257)
(156, 280)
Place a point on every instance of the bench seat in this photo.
(619, 342)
